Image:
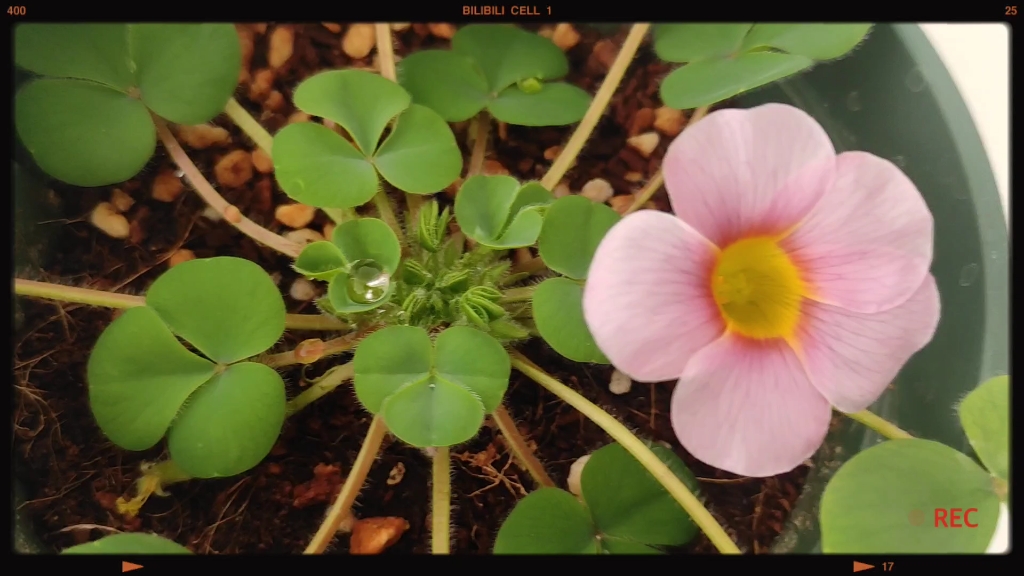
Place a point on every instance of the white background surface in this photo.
(978, 59)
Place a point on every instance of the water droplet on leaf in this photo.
(915, 80)
(529, 85)
(853, 101)
(368, 282)
(969, 274)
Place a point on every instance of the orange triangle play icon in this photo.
(857, 566)
(129, 566)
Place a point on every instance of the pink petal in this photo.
(647, 299)
(868, 244)
(852, 357)
(747, 407)
(748, 172)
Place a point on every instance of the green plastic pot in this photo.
(893, 97)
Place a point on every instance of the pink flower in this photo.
(789, 281)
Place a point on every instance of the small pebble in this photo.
(603, 55)
(332, 26)
(669, 121)
(109, 221)
(302, 290)
(494, 168)
(442, 30)
(211, 214)
(599, 190)
(546, 32)
(575, 473)
(644, 143)
(374, 535)
(202, 136)
(281, 46)
(303, 236)
(329, 229)
(234, 169)
(552, 152)
(620, 383)
(641, 121)
(561, 190)
(262, 84)
(633, 176)
(262, 162)
(346, 524)
(396, 474)
(621, 203)
(274, 102)
(182, 255)
(358, 41)
(167, 186)
(121, 200)
(295, 215)
(565, 36)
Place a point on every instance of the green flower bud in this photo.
(415, 274)
(507, 330)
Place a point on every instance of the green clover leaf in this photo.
(316, 166)
(724, 60)
(431, 393)
(623, 510)
(985, 417)
(501, 68)
(128, 543)
(885, 498)
(87, 121)
(499, 213)
(558, 314)
(221, 413)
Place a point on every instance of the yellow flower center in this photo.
(758, 289)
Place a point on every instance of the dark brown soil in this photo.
(74, 475)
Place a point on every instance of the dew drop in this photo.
(969, 274)
(915, 80)
(853, 101)
(899, 161)
(993, 254)
(368, 282)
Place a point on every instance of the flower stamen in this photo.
(758, 289)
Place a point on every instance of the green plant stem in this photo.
(322, 386)
(247, 124)
(520, 449)
(309, 351)
(342, 506)
(383, 204)
(597, 107)
(880, 425)
(441, 502)
(520, 294)
(386, 61)
(228, 211)
(656, 181)
(104, 299)
(476, 157)
(339, 215)
(634, 446)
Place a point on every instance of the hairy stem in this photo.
(483, 130)
(515, 441)
(879, 424)
(441, 502)
(597, 107)
(322, 386)
(656, 181)
(634, 446)
(228, 211)
(342, 506)
(309, 351)
(104, 299)
(520, 294)
(383, 204)
(247, 124)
